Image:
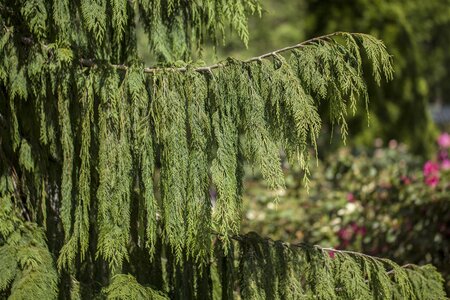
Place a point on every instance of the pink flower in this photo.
(350, 197)
(430, 168)
(432, 180)
(445, 165)
(331, 254)
(444, 140)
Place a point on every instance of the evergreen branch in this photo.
(88, 62)
(243, 238)
(273, 53)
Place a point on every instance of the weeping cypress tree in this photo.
(123, 181)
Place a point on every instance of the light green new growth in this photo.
(118, 174)
(124, 287)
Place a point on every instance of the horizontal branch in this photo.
(220, 64)
(242, 238)
(346, 252)
(85, 62)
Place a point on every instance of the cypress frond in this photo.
(169, 117)
(262, 149)
(67, 149)
(224, 167)
(35, 14)
(119, 18)
(114, 169)
(60, 11)
(77, 235)
(8, 266)
(25, 157)
(126, 287)
(198, 199)
(26, 265)
(349, 277)
(84, 172)
(319, 265)
(426, 282)
(380, 59)
(287, 272)
(94, 17)
(143, 148)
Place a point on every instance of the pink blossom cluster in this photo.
(431, 173)
(431, 168)
(444, 145)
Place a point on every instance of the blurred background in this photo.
(387, 192)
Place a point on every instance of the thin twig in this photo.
(347, 252)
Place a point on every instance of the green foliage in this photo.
(26, 265)
(198, 203)
(116, 163)
(126, 287)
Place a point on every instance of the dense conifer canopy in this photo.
(124, 181)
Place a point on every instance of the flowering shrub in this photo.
(431, 173)
(431, 169)
(385, 202)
